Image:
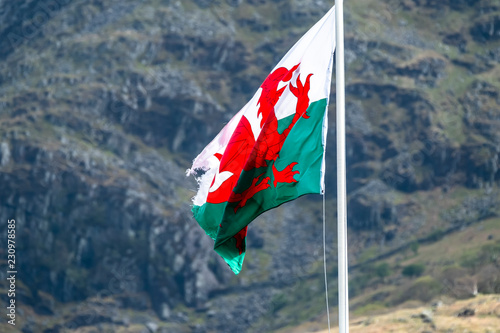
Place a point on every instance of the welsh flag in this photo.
(272, 150)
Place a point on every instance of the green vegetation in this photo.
(358, 283)
(383, 270)
(488, 254)
(436, 235)
(414, 246)
(423, 289)
(278, 302)
(413, 270)
(370, 309)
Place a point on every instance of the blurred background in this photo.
(104, 104)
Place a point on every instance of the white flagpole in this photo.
(341, 172)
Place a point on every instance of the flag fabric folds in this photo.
(272, 150)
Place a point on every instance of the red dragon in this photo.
(243, 152)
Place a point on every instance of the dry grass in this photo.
(445, 319)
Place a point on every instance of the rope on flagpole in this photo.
(324, 260)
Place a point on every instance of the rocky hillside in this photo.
(103, 104)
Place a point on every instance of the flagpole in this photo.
(341, 172)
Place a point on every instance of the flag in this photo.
(272, 150)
